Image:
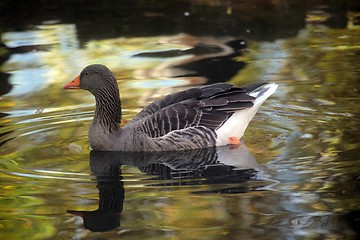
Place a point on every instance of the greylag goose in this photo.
(208, 116)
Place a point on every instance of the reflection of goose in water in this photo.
(222, 165)
(209, 59)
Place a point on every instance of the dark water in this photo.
(297, 177)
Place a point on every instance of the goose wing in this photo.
(208, 106)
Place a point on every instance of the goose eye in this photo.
(86, 74)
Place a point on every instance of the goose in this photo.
(200, 117)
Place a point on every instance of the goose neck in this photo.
(108, 110)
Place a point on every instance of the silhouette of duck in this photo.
(199, 166)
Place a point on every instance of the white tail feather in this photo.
(236, 125)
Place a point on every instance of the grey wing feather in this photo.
(208, 106)
(181, 96)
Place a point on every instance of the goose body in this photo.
(207, 116)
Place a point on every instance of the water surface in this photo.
(296, 176)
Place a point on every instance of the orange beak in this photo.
(74, 84)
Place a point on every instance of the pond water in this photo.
(296, 176)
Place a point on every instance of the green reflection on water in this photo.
(307, 136)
